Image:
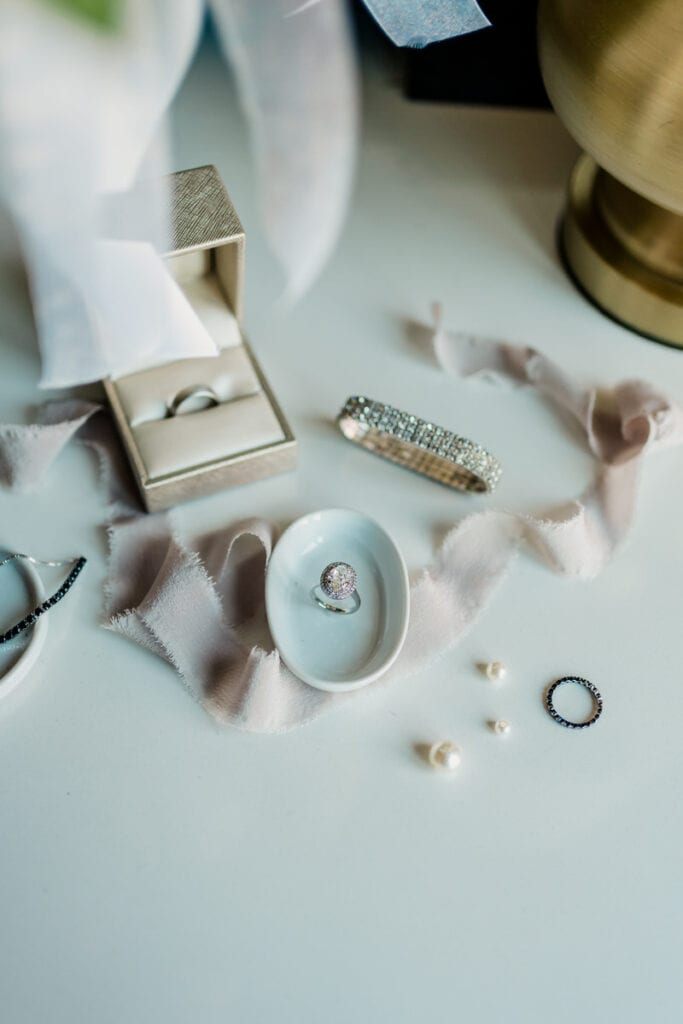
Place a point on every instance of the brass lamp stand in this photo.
(614, 73)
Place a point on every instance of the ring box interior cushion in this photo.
(245, 436)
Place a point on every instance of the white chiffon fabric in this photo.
(296, 76)
(198, 602)
(82, 130)
(78, 109)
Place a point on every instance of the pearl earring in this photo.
(500, 727)
(495, 671)
(445, 755)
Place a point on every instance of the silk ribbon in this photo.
(198, 602)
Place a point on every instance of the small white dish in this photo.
(329, 651)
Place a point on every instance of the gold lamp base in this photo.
(625, 252)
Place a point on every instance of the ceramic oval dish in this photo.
(337, 652)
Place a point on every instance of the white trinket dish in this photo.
(330, 651)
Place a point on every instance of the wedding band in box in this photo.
(179, 450)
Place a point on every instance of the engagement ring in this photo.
(336, 591)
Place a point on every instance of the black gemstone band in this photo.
(30, 619)
(587, 685)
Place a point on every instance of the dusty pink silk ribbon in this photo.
(199, 604)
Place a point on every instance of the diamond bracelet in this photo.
(419, 445)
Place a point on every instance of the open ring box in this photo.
(244, 436)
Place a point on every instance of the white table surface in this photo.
(155, 867)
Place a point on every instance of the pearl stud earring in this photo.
(445, 755)
(495, 671)
(500, 727)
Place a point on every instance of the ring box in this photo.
(243, 435)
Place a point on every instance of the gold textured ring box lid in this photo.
(243, 438)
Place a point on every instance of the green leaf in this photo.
(101, 13)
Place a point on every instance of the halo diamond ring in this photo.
(336, 591)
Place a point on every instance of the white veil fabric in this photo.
(81, 117)
(78, 108)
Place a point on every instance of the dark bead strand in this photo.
(30, 619)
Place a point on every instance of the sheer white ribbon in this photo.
(421, 22)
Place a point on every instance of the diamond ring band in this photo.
(419, 445)
(336, 591)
